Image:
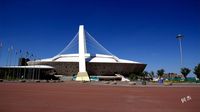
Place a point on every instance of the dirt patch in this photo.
(83, 97)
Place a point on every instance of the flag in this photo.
(16, 51)
(11, 48)
(20, 53)
(27, 53)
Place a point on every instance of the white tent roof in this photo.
(33, 66)
(89, 58)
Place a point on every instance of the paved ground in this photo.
(84, 97)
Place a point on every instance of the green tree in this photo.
(197, 71)
(160, 72)
(133, 77)
(185, 72)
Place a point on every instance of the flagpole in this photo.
(19, 63)
(7, 63)
(10, 64)
(1, 47)
(26, 55)
(16, 60)
(14, 64)
(11, 50)
(33, 66)
(14, 75)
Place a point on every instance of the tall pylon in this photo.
(82, 74)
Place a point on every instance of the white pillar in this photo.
(82, 49)
(82, 74)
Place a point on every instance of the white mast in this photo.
(82, 74)
(81, 38)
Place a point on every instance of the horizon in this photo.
(137, 30)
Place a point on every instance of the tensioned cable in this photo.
(98, 43)
(90, 41)
(68, 46)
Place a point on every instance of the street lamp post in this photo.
(180, 37)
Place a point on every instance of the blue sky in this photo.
(139, 30)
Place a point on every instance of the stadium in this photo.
(97, 60)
